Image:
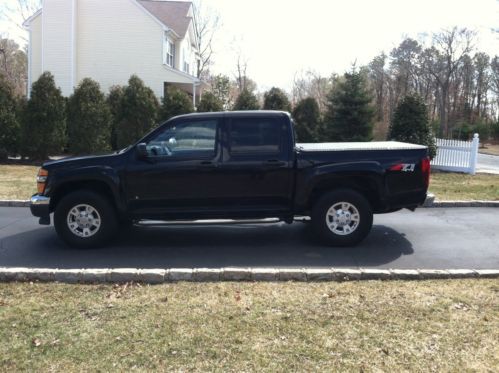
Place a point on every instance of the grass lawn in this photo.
(453, 186)
(18, 182)
(363, 326)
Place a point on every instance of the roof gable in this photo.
(173, 14)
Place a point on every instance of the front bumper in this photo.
(40, 207)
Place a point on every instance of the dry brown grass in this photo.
(449, 186)
(17, 181)
(492, 149)
(365, 326)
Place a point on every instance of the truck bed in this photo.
(357, 146)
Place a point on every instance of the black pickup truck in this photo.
(231, 165)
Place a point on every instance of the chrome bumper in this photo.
(38, 200)
(40, 207)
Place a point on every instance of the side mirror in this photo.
(142, 150)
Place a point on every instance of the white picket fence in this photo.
(456, 155)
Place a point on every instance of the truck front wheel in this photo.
(342, 217)
(85, 219)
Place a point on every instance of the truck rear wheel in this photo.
(342, 217)
(85, 219)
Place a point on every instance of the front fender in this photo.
(72, 178)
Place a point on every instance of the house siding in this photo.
(116, 39)
(57, 43)
(36, 48)
(107, 41)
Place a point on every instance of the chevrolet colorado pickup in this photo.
(231, 165)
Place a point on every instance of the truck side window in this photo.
(255, 135)
(185, 139)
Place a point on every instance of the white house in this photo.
(109, 40)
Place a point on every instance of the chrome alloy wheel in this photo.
(343, 218)
(84, 220)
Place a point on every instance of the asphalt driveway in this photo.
(487, 163)
(451, 238)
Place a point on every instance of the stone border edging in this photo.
(159, 276)
(14, 203)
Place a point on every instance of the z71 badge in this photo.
(404, 167)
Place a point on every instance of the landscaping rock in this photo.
(207, 274)
(315, 275)
(264, 274)
(346, 274)
(236, 274)
(179, 274)
(292, 275)
(152, 276)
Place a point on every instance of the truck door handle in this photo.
(274, 163)
(208, 164)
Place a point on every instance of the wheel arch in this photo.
(96, 186)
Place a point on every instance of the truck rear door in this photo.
(258, 163)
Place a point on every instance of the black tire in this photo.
(108, 220)
(339, 235)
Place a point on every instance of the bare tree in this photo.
(19, 11)
(444, 57)
(378, 77)
(312, 84)
(208, 23)
(13, 65)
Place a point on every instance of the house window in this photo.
(170, 53)
(187, 68)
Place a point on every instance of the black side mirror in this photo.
(142, 150)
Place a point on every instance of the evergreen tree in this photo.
(410, 124)
(139, 111)
(246, 101)
(349, 115)
(9, 124)
(210, 102)
(307, 119)
(176, 102)
(89, 119)
(114, 101)
(276, 99)
(44, 120)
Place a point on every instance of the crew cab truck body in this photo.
(231, 165)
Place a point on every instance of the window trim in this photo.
(170, 52)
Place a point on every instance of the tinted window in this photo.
(255, 135)
(197, 138)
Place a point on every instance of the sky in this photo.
(282, 38)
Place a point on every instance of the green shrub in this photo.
(307, 120)
(494, 131)
(114, 101)
(209, 103)
(246, 101)
(89, 119)
(410, 124)
(9, 120)
(176, 102)
(276, 99)
(139, 111)
(43, 131)
(349, 115)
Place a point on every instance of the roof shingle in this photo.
(172, 14)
